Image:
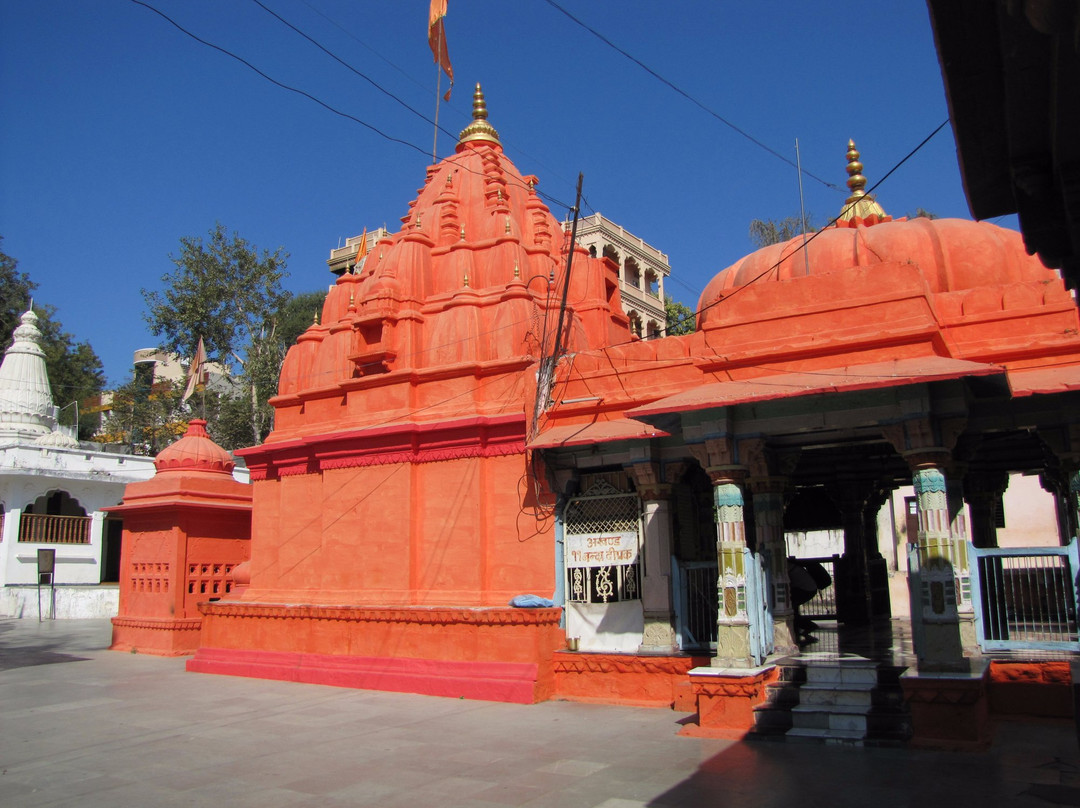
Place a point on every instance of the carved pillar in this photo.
(851, 494)
(877, 566)
(658, 636)
(1062, 481)
(941, 613)
(768, 485)
(733, 649)
(1074, 509)
(983, 491)
(942, 567)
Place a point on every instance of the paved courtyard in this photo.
(83, 726)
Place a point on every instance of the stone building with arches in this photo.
(53, 494)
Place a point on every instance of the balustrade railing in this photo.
(1026, 597)
(41, 528)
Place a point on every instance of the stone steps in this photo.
(830, 698)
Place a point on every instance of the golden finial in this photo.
(856, 181)
(859, 205)
(416, 223)
(449, 178)
(517, 270)
(508, 224)
(479, 129)
(463, 232)
(466, 280)
(315, 320)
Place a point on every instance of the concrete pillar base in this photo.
(726, 698)
(949, 710)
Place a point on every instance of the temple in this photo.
(53, 497)
(473, 420)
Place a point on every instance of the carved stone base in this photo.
(658, 636)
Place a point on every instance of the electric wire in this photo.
(689, 97)
(543, 195)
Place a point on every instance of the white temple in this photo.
(52, 495)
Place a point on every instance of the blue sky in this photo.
(120, 134)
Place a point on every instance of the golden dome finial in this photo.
(856, 181)
(859, 205)
(479, 129)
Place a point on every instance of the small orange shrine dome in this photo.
(952, 255)
(195, 452)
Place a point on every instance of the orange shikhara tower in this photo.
(395, 511)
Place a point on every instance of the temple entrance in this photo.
(694, 572)
(602, 547)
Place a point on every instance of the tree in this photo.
(16, 289)
(680, 319)
(764, 232)
(228, 293)
(146, 415)
(75, 370)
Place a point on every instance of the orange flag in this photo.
(436, 38)
(196, 374)
(361, 251)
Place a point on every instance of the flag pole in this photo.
(438, 97)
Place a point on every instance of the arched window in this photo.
(632, 273)
(652, 283)
(610, 252)
(652, 328)
(592, 250)
(56, 503)
(635, 323)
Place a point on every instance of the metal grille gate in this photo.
(603, 511)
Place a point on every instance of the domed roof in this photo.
(57, 440)
(951, 254)
(195, 452)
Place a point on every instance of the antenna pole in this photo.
(802, 207)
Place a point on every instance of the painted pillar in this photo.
(658, 635)
(733, 621)
(768, 500)
(944, 578)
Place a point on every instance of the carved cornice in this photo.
(423, 615)
(407, 443)
(159, 624)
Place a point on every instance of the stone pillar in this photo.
(1074, 509)
(768, 500)
(658, 636)
(942, 566)
(983, 495)
(853, 580)
(733, 622)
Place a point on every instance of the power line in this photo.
(330, 108)
(689, 97)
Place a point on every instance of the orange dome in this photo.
(951, 254)
(195, 452)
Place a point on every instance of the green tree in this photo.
(680, 319)
(228, 293)
(764, 232)
(75, 370)
(16, 290)
(146, 415)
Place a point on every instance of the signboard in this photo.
(601, 549)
